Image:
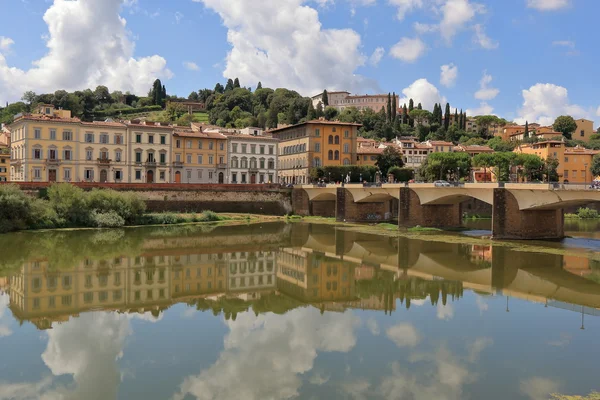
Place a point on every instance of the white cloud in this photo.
(548, 5)
(318, 379)
(455, 15)
(483, 109)
(564, 43)
(403, 335)
(5, 43)
(543, 102)
(482, 39)
(74, 29)
(376, 56)
(357, 389)
(482, 305)
(373, 327)
(178, 17)
(192, 66)
(4, 328)
(598, 112)
(445, 312)
(290, 48)
(486, 92)
(421, 28)
(408, 50)
(538, 388)
(421, 91)
(285, 345)
(448, 75)
(475, 348)
(405, 6)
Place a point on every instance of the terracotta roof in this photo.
(104, 123)
(474, 148)
(317, 122)
(46, 118)
(362, 139)
(369, 150)
(440, 143)
(149, 125)
(200, 135)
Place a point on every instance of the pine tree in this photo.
(394, 106)
(389, 108)
(259, 86)
(311, 113)
(447, 117)
(229, 85)
(236, 83)
(325, 99)
(526, 134)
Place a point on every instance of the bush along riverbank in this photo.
(67, 206)
(584, 213)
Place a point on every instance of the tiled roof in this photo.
(104, 123)
(46, 118)
(317, 122)
(440, 143)
(200, 135)
(251, 137)
(369, 150)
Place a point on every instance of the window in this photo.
(199, 174)
(138, 175)
(234, 178)
(89, 138)
(118, 175)
(67, 135)
(318, 147)
(67, 174)
(163, 158)
(37, 173)
(337, 139)
(243, 178)
(221, 160)
(118, 155)
(271, 149)
(346, 161)
(89, 174)
(162, 175)
(52, 154)
(262, 163)
(582, 133)
(234, 148)
(37, 154)
(210, 159)
(271, 164)
(317, 162)
(262, 149)
(189, 158)
(244, 148)
(52, 134)
(221, 146)
(37, 133)
(330, 139)
(566, 159)
(178, 157)
(346, 134)
(138, 138)
(118, 139)
(151, 139)
(210, 145)
(337, 155)
(188, 144)
(346, 148)
(333, 129)
(163, 139)
(104, 155)
(200, 159)
(566, 174)
(104, 138)
(89, 154)
(151, 158)
(189, 174)
(138, 156)
(210, 175)
(330, 155)
(317, 133)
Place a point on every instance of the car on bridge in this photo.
(441, 184)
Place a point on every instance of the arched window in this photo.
(330, 154)
(337, 139)
(337, 154)
(317, 162)
(346, 161)
(330, 139)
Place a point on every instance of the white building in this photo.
(251, 159)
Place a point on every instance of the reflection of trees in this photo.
(388, 289)
(231, 307)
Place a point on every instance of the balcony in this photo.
(150, 164)
(221, 166)
(104, 161)
(178, 164)
(253, 169)
(52, 161)
(16, 163)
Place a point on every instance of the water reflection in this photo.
(287, 294)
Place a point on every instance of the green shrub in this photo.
(69, 203)
(129, 206)
(110, 219)
(209, 216)
(402, 174)
(17, 210)
(587, 213)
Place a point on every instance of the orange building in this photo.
(368, 155)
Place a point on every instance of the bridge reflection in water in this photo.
(275, 268)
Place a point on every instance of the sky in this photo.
(523, 60)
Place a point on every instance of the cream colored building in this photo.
(100, 153)
(335, 99)
(149, 152)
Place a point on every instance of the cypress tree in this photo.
(259, 86)
(163, 95)
(419, 106)
(156, 92)
(394, 106)
(411, 106)
(389, 108)
(229, 85)
(325, 99)
(236, 83)
(404, 114)
(526, 135)
(456, 116)
(447, 117)
(320, 113)
(311, 113)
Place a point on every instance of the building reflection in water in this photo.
(277, 268)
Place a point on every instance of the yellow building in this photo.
(199, 157)
(149, 152)
(198, 274)
(585, 129)
(100, 154)
(314, 144)
(368, 155)
(4, 163)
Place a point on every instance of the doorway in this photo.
(221, 178)
(103, 176)
(177, 177)
(150, 177)
(253, 179)
(52, 175)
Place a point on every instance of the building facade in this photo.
(149, 152)
(252, 159)
(199, 157)
(314, 144)
(333, 98)
(100, 154)
(585, 129)
(4, 163)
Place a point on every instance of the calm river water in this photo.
(278, 311)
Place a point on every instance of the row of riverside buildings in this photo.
(52, 146)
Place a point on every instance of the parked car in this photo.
(441, 184)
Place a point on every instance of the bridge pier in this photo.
(510, 222)
(411, 213)
(302, 205)
(349, 211)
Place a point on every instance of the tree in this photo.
(389, 108)
(447, 117)
(456, 116)
(320, 112)
(497, 144)
(441, 165)
(402, 174)
(325, 99)
(566, 125)
(596, 166)
(30, 98)
(219, 88)
(404, 115)
(236, 83)
(394, 107)
(484, 122)
(390, 157)
(259, 86)
(155, 94)
(551, 169)
(419, 106)
(311, 112)
(526, 133)
(229, 85)
(194, 96)
(420, 116)
(330, 113)
(411, 106)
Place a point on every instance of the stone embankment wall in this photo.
(254, 199)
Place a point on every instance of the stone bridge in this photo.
(520, 211)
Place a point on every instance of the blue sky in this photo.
(520, 59)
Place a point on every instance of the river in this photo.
(296, 310)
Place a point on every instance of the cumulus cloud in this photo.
(88, 45)
(475, 348)
(486, 92)
(548, 5)
(482, 305)
(543, 102)
(445, 312)
(483, 109)
(264, 343)
(290, 48)
(5, 43)
(192, 66)
(357, 389)
(405, 6)
(376, 56)
(403, 335)
(448, 75)
(421, 91)
(539, 388)
(373, 327)
(421, 28)
(482, 39)
(408, 49)
(455, 15)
